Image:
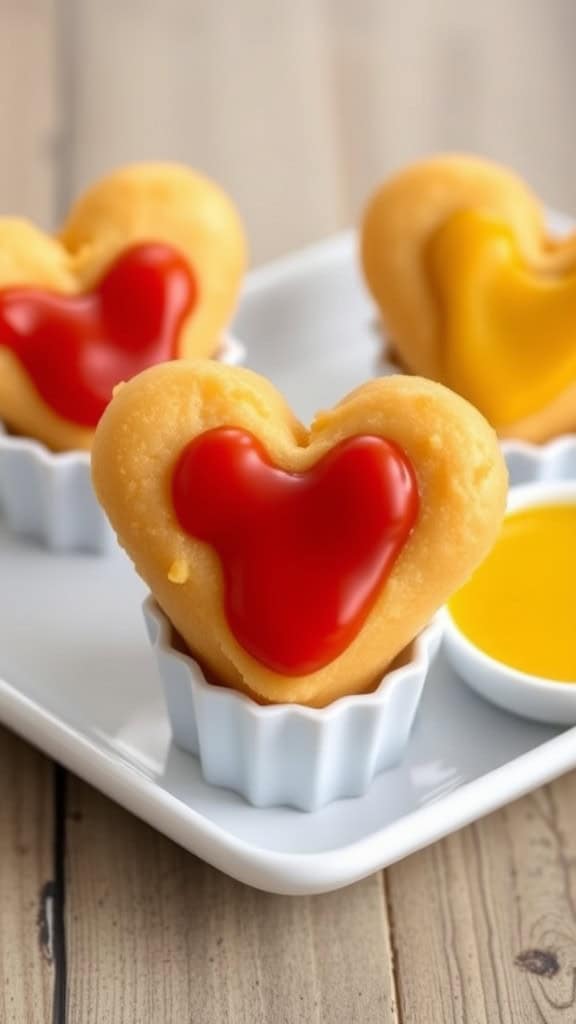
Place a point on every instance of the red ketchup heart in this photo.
(304, 555)
(76, 348)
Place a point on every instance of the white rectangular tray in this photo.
(79, 682)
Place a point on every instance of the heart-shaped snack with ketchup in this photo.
(473, 291)
(296, 564)
(146, 268)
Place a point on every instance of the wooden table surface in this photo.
(298, 107)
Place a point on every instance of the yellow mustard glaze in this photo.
(508, 332)
(520, 605)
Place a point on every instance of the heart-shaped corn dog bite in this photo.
(146, 268)
(474, 293)
(297, 564)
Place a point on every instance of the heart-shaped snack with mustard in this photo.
(474, 292)
(297, 564)
(146, 268)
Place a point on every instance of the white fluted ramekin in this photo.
(287, 754)
(47, 497)
(232, 352)
(540, 463)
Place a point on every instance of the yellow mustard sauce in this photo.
(520, 605)
(508, 330)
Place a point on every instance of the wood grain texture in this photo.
(416, 77)
(154, 935)
(28, 118)
(242, 90)
(484, 923)
(26, 870)
(299, 107)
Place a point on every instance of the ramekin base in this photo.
(287, 754)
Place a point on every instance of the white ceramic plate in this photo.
(79, 679)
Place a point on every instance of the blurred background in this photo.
(298, 107)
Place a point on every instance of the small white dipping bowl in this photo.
(544, 700)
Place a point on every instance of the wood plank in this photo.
(417, 78)
(299, 108)
(26, 874)
(155, 934)
(27, 127)
(239, 90)
(484, 923)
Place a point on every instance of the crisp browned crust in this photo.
(143, 202)
(398, 225)
(462, 481)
